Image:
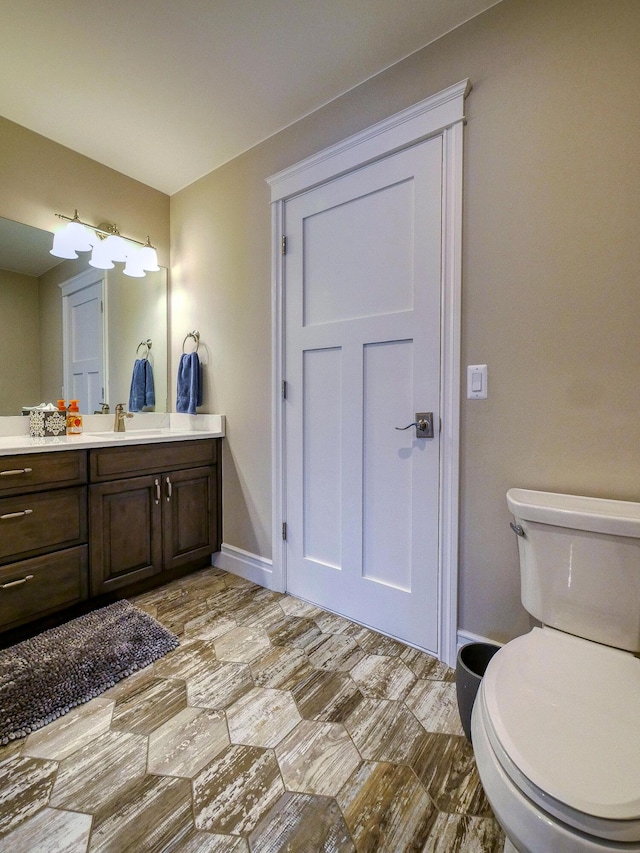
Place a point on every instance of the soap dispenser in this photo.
(74, 419)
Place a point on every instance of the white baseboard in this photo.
(464, 637)
(249, 566)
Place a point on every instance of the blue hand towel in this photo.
(189, 383)
(142, 393)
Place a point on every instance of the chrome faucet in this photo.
(118, 424)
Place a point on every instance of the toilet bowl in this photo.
(556, 723)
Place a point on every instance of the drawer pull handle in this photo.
(169, 489)
(157, 485)
(15, 471)
(15, 514)
(16, 583)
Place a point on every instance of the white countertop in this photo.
(146, 428)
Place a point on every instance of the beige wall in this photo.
(551, 282)
(39, 178)
(19, 342)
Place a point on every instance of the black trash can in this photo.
(473, 660)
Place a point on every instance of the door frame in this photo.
(441, 114)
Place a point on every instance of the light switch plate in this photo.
(476, 381)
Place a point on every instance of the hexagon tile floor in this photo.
(275, 726)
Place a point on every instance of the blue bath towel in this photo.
(189, 383)
(142, 393)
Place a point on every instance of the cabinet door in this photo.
(126, 532)
(190, 515)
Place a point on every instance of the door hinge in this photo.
(284, 389)
(284, 530)
(284, 244)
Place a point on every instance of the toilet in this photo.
(556, 722)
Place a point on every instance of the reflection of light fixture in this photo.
(106, 245)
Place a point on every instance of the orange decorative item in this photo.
(74, 419)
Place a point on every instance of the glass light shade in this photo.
(149, 259)
(100, 258)
(115, 248)
(79, 237)
(133, 267)
(61, 247)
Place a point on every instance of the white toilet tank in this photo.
(580, 564)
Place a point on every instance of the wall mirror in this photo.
(31, 323)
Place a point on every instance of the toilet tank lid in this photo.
(599, 515)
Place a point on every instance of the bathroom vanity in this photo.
(84, 516)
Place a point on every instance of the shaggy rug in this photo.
(46, 676)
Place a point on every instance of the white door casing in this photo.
(440, 120)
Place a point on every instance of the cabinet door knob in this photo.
(157, 485)
(169, 489)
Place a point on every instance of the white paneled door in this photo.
(84, 358)
(362, 296)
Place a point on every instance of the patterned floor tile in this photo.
(282, 667)
(52, 831)
(190, 659)
(464, 834)
(149, 706)
(299, 823)
(311, 764)
(233, 792)
(262, 717)
(446, 767)
(209, 626)
(208, 842)
(148, 816)
(295, 631)
(187, 742)
(336, 652)
(381, 677)
(434, 703)
(327, 696)
(425, 666)
(386, 809)
(25, 788)
(241, 645)
(385, 731)
(69, 733)
(219, 686)
(317, 758)
(94, 774)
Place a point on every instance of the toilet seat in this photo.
(561, 715)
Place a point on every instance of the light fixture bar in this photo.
(104, 228)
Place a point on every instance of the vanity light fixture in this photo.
(106, 245)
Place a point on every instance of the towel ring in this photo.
(196, 337)
(146, 344)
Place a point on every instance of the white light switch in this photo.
(477, 381)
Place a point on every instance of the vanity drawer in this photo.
(111, 463)
(36, 471)
(33, 588)
(33, 523)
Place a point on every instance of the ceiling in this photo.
(165, 91)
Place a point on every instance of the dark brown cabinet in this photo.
(146, 519)
(141, 526)
(78, 524)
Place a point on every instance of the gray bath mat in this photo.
(46, 676)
